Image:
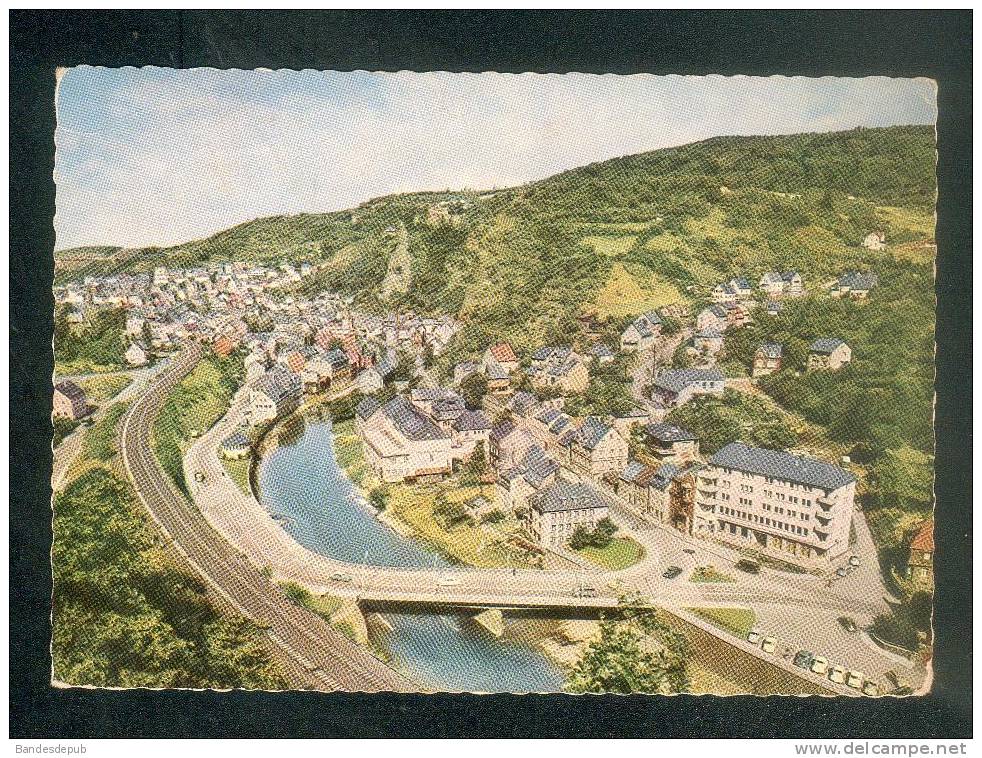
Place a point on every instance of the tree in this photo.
(904, 478)
(473, 389)
(634, 653)
(379, 497)
(477, 464)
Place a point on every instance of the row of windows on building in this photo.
(769, 480)
(748, 490)
(773, 523)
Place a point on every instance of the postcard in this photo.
(437, 382)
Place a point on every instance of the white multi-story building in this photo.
(559, 508)
(401, 442)
(777, 502)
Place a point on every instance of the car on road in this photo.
(820, 665)
(199, 476)
(856, 679)
(840, 572)
(688, 551)
(871, 689)
(584, 590)
(340, 576)
(671, 572)
(803, 659)
(448, 581)
(848, 624)
(837, 674)
(768, 644)
(747, 566)
(754, 637)
(853, 560)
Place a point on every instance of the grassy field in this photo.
(347, 450)
(611, 246)
(627, 293)
(100, 441)
(238, 470)
(200, 399)
(737, 621)
(619, 554)
(471, 544)
(99, 389)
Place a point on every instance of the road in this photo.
(800, 610)
(326, 658)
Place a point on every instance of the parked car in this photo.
(768, 644)
(820, 665)
(856, 679)
(837, 674)
(871, 689)
(847, 623)
(754, 637)
(840, 572)
(671, 572)
(340, 576)
(448, 581)
(199, 476)
(748, 566)
(803, 659)
(853, 560)
(584, 590)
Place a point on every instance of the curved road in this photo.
(327, 658)
(800, 610)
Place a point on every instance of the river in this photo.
(301, 481)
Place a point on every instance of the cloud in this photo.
(158, 156)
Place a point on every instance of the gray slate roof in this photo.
(71, 390)
(567, 496)
(676, 380)
(279, 385)
(665, 432)
(472, 421)
(366, 407)
(410, 421)
(781, 465)
(771, 350)
(591, 431)
(825, 345)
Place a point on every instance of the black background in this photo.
(810, 43)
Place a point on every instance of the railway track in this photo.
(327, 658)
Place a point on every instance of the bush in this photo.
(379, 497)
(493, 517)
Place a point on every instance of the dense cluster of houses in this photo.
(291, 344)
(556, 471)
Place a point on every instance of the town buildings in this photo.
(875, 241)
(777, 502)
(854, 284)
(559, 368)
(69, 402)
(273, 395)
(920, 560)
(675, 387)
(641, 333)
(828, 354)
(558, 509)
(767, 359)
(402, 443)
(668, 443)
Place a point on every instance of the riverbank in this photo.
(416, 511)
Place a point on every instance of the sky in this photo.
(156, 156)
